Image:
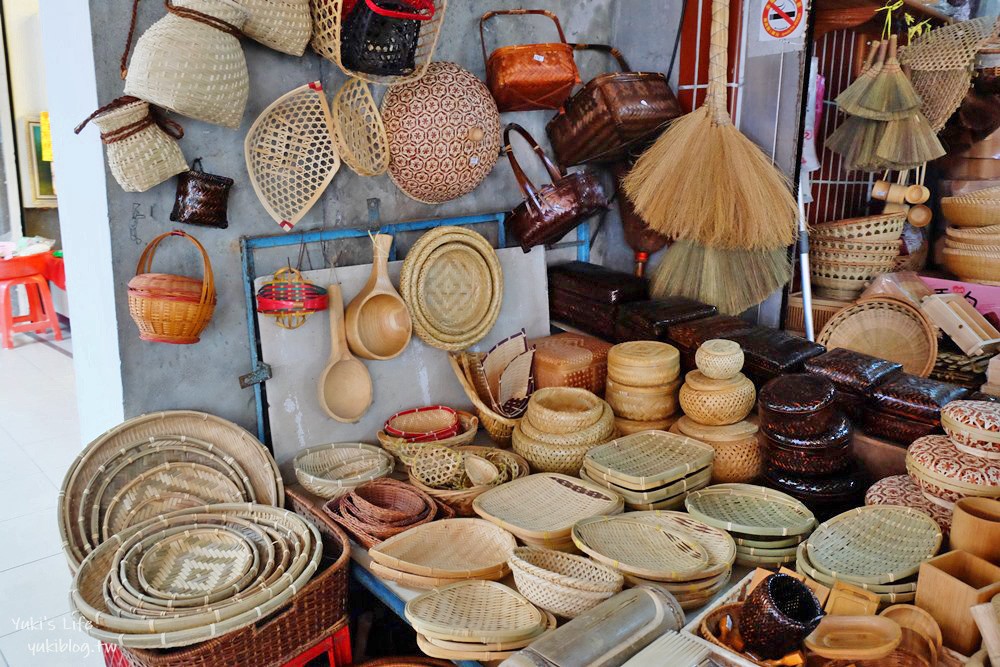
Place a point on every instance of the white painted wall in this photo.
(83, 211)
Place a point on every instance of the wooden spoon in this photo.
(345, 387)
(378, 323)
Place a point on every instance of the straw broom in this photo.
(848, 100)
(890, 96)
(857, 141)
(909, 142)
(706, 182)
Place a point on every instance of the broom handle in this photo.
(718, 63)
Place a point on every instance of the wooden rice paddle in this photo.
(640, 238)
(706, 182)
(848, 100)
(891, 95)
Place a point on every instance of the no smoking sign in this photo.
(782, 19)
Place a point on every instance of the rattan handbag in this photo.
(169, 308)
(202, 199)
(613, 115)
(530, 77)
(142, 145)
(550, 212)
(191, 61)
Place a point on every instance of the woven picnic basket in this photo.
(328, 22)
(141, 145)
(283, 25)
(191, 61)
(169, 308)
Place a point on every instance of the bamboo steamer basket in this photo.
(717, 402)
(737, 450)
(191, 62)
(170, 308)
(719, 359)
(562, 410)
(283, 25)
(141, 153)
(976, 209)
(497, 426)
(628, 426)
(974, 265)
(643, 363)
(642, 403)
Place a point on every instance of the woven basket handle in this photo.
(146, 262)
(605, 48)
(527, 187)
(718, 63)
(517, 12)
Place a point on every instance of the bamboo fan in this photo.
(705, 182)
(290, 154)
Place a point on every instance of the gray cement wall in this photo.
(204, 376)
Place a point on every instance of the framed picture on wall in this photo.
(40, 176)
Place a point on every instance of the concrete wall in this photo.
(204, 376)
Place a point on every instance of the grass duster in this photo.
(856, 140)
(848, 100)
(909, 142)
(732, 280)
(890, 96)
(706, 182)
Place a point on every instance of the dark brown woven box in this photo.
(769, 353)
(894, 428)
(690, 335)
(852, 371)
(649, 320)
(914, 398)
(825, 496)
(797, 406)
(587, 296)
(314, 613)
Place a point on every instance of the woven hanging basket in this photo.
(358, 130)
(169, 308)
(328, 22)
(283, 25)
(191, 62)
(141, 154)
(444, 134)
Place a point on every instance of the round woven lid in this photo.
(982, 415)
(837, 435)
(700, 382)
(939, 456)
(729, 433)
(721, 348)
(902, 490)
(644, 353)
(444, 133)
(798, 393)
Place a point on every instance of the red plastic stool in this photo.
(41, 313)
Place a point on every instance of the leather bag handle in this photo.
(605, 48)
(517, 12)
(527, 187)
(208, 280)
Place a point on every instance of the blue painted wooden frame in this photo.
(250, 244)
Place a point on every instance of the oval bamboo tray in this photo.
(662, 497)
(426, 424)
(886, 328)
(719, 359)
(644, 461)
(751, 510)
(643, 363)
(885, 227)
(451, 548)
(330, 471)
(877, 544)
(641, 548)
(718, 544)
(559, 410)
(428, 583)
(805, 567)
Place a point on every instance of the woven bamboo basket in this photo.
(719, 359)
(851, 246)
(974, 265)
(887, 328)
(511, 465)
(559, 410)
(543, 457)
(498, 427)
(454, 548)
(643, 363)
(642, 403)
(424, 424)
(750, 510)
(628, 426)
(597, 432)
(847, 277)
(169, 308)
(475, 611)
(976, 247)
(327, 17)
(648, 461)
(561, 583)
(191, 62)
(283, 25)
(358, 130)
(404, 451)
(330, 471)
(717, 402)
(737, 451)
(839, 257)
(989, 235)
(141, 154)
(885, 227)
(976, 209)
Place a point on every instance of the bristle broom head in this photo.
(891, 95)
(856, 140)
(848, 100)
(710, 184)
(909, 142)
(732, 280)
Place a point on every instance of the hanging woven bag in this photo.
(202, 199)
(282, 25)
(141, 145)
(168, 308)
(380, 37)
(191, 61)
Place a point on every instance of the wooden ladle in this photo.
(345, 387)
(378, 324)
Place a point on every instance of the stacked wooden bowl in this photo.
(669, 550)
(846, 254)
(378, 510)
(475, 620)
(456, 477)
(716, 399)
(330, 471)
(195, 574)
(444, 552)
(560, 425)
(643, 379)
(563, 584)
(972, 242)
(652, 470)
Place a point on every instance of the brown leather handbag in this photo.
(550, 212)
(530, 77)
(614, 115)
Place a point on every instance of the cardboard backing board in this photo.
(421, 375)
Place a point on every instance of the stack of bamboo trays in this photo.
(845, 255)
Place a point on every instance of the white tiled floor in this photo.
(39, 437)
